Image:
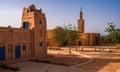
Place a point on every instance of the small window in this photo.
(24, 47)
(40, 33)
(27, 11)
(41, 44)
(40, 22)
(25, 25)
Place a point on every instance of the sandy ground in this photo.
(42, 67)
(101, 62)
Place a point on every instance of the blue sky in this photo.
(97, 13)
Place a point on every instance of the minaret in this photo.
(35, 20)
(81, 23)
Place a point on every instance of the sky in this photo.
(96, 13)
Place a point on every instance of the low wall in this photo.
(118, 45)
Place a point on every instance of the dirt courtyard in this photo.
(82, 61)
(102, 61)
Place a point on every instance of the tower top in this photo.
(80, 8)
(81, 22)
(32, 7)
(32, 17)
(81, 13)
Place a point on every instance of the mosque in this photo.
(30, 40)
(85, 39)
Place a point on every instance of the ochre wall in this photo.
(37, 21)
(50, 40)
(28, 39)
(86, 39)
(89, 39)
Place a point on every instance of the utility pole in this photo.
(69, 27)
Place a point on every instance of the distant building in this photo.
(85, 39)
(30, 40)
(81, 23)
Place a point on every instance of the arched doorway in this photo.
(96, 41)
(79, 43)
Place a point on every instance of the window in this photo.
(25, 25)
(24, 47)
(41, 44)
(40, 33)
(40, 22)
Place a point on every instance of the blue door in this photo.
(25, 25)
(2, 53)
(17, 51)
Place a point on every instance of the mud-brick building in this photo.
(30, 40)
(85, 39)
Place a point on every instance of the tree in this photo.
(65, 36)
(105, 37)
(113, 33)
(60, 35)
